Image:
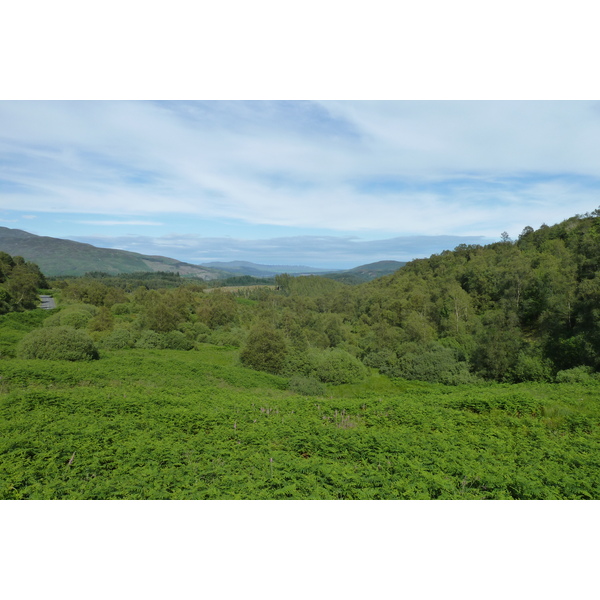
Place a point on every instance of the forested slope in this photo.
(509, 311)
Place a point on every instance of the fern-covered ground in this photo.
(162, 424)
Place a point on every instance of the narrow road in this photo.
(47, 302)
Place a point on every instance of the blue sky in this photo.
(327, 184)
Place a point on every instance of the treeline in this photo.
(129, 281)
(523, 310)
(19, 283)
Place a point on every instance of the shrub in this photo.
(57, 343)
(77, 319)
(118, 340)
(201, 332)
(575, 375)
(307, 386)
(52, 320)
(531, 368)
(435, 364)
(176, 340)
(265, 349)
(298, 362)
(150, 340)
(233, 337)
(77, 316)
(103, 321)
(338, 366)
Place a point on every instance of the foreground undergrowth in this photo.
(166, 424)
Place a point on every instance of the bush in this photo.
(118, 340)
(57, 343)
(234, 337)
(531, 368)
(575, 375)
(150, 340)
(301, 363)
(103, 321)
(77, 319)
(265, 349)
(307, 386)
(338, 366)
(173, 340)
(435, 364)
(176, 340)
(77, 316)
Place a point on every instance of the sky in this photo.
(330, 184)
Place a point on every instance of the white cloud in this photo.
(326, 251)
(459, 167)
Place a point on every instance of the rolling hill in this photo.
(60, 257)
(242, 267)
(57, 257)
(364, 273)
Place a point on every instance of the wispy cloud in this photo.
(327, 251)
(374, 169)
(111, 223)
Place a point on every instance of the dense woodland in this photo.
(472, 330)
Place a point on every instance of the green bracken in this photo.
(166, 424)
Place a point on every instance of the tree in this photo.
(162, 317)
(103, 321)
(22, 285)
(265, 349)
(218, 309)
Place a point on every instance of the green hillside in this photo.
(64, 257)
(364, 273)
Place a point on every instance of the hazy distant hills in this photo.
(242, 267)
(366, 273)
(55, 257)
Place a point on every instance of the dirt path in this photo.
(47, 302)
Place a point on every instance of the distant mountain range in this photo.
(242, 267)
(366, 273)
(57, 257)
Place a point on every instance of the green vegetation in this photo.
(57, 343)
(19, 283)
(471, 374)
(159, 424)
